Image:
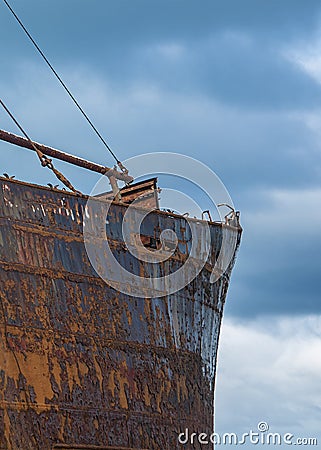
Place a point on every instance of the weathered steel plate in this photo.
(82, 365)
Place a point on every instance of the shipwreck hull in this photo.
(82, 365)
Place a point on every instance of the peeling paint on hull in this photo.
(82, 365)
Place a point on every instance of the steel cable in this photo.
(64, 85)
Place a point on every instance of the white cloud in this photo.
(270, 371)
(171, 51)
(307, 57)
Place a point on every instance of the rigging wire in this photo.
(120, 165)
(45, 161)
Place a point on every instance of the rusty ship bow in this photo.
(82, 365)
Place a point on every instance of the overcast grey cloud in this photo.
(236, 84)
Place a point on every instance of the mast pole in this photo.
(63, 156)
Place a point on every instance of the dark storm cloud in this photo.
(248, 150)
(253, 74)
(125, 22)
(231, 48)
(234, 68)
(278, 270)
(273, 288)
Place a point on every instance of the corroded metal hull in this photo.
(82, 365)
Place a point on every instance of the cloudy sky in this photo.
(237, 85)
